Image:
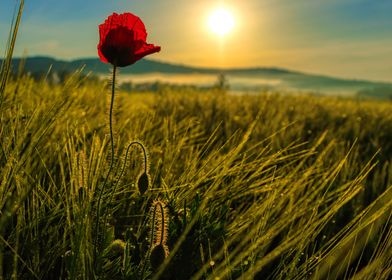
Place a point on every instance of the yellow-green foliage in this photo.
(266, 186)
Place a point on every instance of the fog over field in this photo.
(240, 83)
(248, 80)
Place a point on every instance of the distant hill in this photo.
(42, 64)
(290, 80)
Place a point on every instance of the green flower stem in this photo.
(111, 116)
(111, 163)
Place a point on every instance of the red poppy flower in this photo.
(123, 40)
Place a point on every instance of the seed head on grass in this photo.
(113, 257)
(115, 249)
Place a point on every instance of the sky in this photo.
(342, 38)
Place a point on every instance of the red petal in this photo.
(139, 29)
(128, 20)
(146, 50)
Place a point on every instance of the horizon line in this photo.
(265, 67)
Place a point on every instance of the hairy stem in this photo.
(124, 165)
(111, 164)
(162, 224)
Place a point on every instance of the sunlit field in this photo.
(264, 187)
(101, 179)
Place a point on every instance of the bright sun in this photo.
(221, 21)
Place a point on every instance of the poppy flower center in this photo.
(119, 46)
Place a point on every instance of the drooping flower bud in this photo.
(158, 256)
(143, 183)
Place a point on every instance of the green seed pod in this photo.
(143, 183)
(158, 256)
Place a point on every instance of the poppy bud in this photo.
(158, 256)
(143, 183)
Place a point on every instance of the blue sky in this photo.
(346, 38)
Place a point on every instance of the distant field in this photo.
(240, 79)
(254, 83)
(237, 83)
(267, 186)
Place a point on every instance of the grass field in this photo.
(267, 186)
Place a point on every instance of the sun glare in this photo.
(221, 22)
